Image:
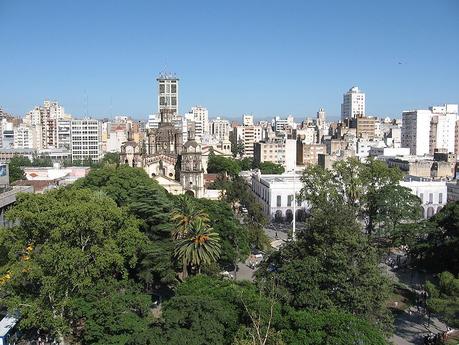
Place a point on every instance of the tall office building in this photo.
(168, 92)
(86, 139)
(353, 104)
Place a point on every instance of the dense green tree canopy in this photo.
(221, 164)
(438, 248)
(15, 167)
(67, 241)
(152, 206)
(231, 313)
(331, 265)
(271, 168)
(118, 182)
(444, 298)
(372, 189)
(234, 240)
(111, 313)
(329, 327)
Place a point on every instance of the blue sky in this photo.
(251, 56)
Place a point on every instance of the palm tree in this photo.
(200, 246)
(185, 213)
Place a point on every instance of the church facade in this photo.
(174, 164)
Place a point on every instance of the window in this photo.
(279, 198)
(430, 198)
(440, 198)
(421, 196)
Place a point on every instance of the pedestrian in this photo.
(276, 236)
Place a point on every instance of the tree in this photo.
(78, 238)
(192, 319)
(233, 236)
(221, 164)
(397, 208)
(42, 161)
(329, 327)
(245, 163)
(444, 298)
(110, 313)
(201, 245)
(437, 248)
(151, 205)
(238, 149)
(367, 188)
(15, 167)
(118, 182)
(111, 158)
(241, 314)
(271, 168)
(331, 265)
(186, 211)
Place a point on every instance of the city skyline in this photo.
(278, 60)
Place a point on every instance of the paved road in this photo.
(412, 325)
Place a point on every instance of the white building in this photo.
(281, 151)
(389, 151)
(200, 117)
(23, 137)
(280, 124)
(153, 121)
(247, 120)
(43, 120)
(86, 139)
(220, 128)
(64, 136)
(433, 194)
(308, 134)
(275, 194)
(353, 103)
(248, 135)
(7, 134)
(423, 131)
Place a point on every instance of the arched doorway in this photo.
(278, 216)
(288, 216)
(190, 193)
(300, 215)
(430, 212)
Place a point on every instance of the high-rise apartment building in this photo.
(220, 128)
(86, 137)
(200, 117)
(247, 120)
(23, 137)
(423, 131)
(353, 103)
(64, 138)
(280, 151)
(247, 135)
(168, 92)
(43, 119)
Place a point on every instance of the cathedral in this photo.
(177, 166)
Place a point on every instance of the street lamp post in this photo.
(294, 208)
